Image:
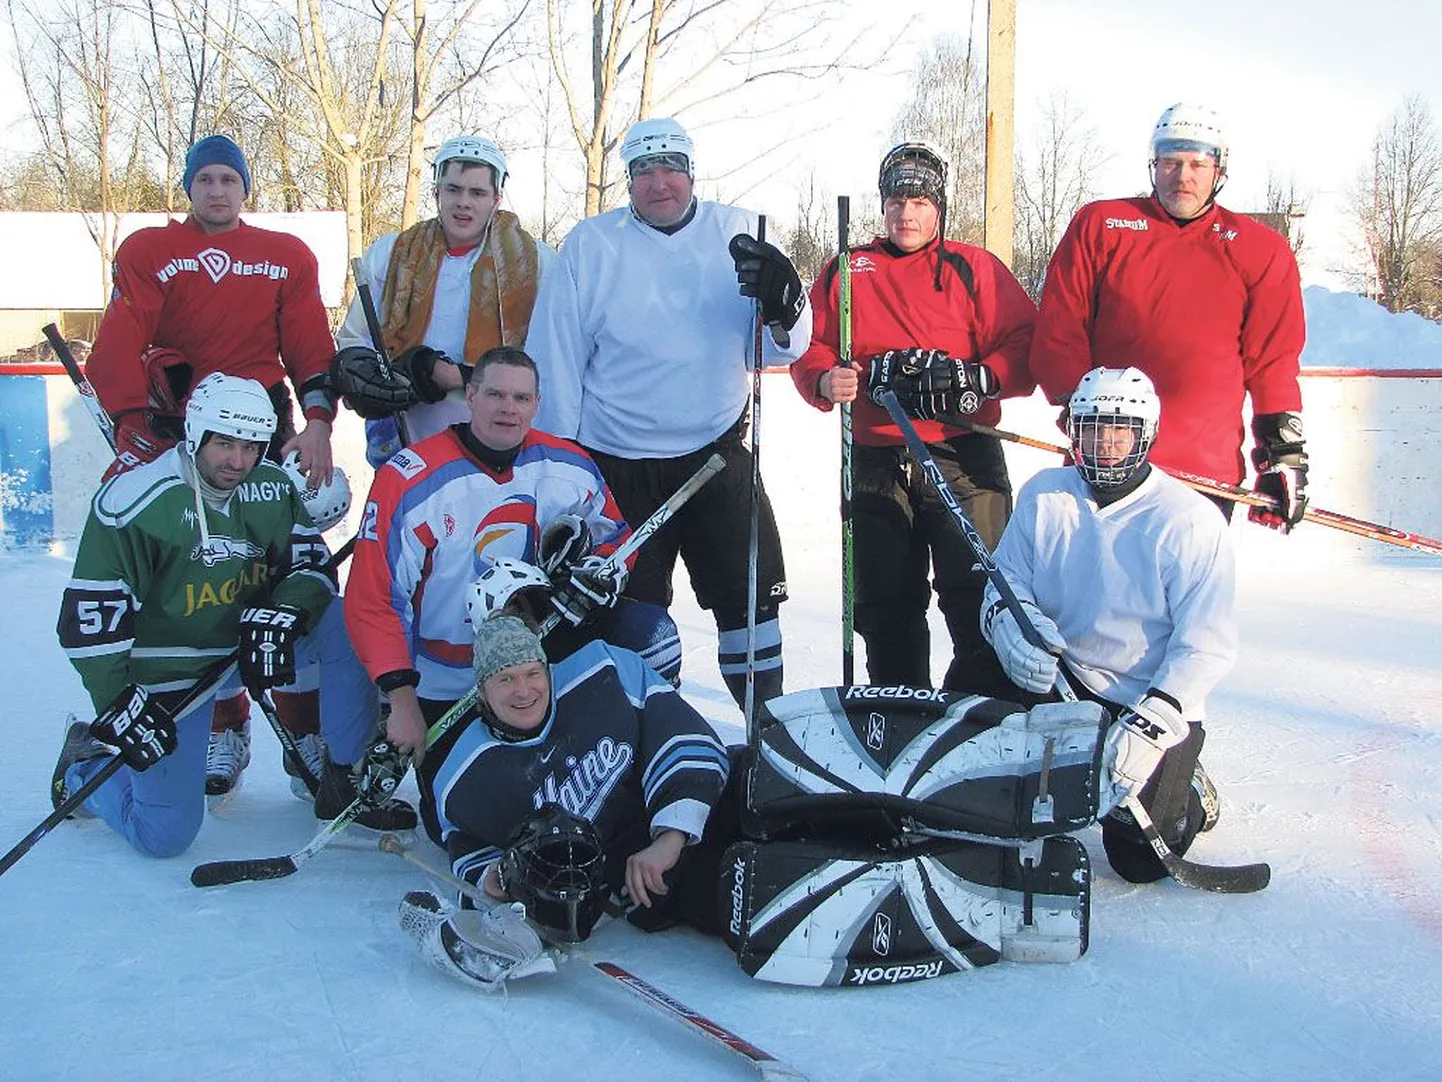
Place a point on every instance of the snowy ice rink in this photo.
(1325, 741)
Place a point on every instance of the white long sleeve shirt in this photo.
(1142, 590)
(643, 339)
(450, 314)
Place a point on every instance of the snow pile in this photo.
(1345, 330)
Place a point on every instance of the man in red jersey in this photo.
(1206, 302)
(947, 328)
(225, 297)
(213, 294)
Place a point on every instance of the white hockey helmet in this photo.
(657, 137)
(327, 504)
(228, 406)
(1112, 398)
(507, 580)
(1188, 127)
(913, 170)
(471, 148)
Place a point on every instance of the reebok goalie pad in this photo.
(817, 914)
(865, 762)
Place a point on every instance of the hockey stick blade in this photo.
(219, 873)
(770, 1068)
(1238, 879)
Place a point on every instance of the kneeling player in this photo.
(1129, 575)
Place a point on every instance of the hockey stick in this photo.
(205, 684)
(288, 744)
(639, 536)
(1242, 879)
(217, 873)
(770, 1068)
(848, 566)
(753, 553)
(373, 324)
(1238, 494)
(82, 385)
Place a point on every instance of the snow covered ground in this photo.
(1326, 742)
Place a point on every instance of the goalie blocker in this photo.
(913, 835)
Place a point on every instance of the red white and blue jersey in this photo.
(620, 748)
(436, 518)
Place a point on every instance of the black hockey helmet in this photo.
(554, 863)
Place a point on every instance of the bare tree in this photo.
(1054, 176)
(1286, 207)
(947, 109)
(472, 53)
(319, 76)
(78, 77)
(1397, 203)
(648, 56)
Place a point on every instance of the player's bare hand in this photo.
(313, 443)
(839, 385)
(646, 870)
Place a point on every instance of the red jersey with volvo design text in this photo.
(245, 303)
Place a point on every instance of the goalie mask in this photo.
(325, 505)
(554, 863)
(1112, 421)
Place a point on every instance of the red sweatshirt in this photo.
(1209, 310)
(981, 313)
(236, 302)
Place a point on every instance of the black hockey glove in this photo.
(565, 541)
(418, 364)
(267, 645)
(380, 773)
(766, 274)
(594, 583)
(1281, 463)
(357, 377)
(138, 726)
(929, 384)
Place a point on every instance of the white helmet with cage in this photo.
(326, 505)
(228, 406)
(658, 137)
(505, 581)
(471, 148)
(1107, 404)
(1188, 127)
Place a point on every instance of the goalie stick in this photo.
(770, 1068)
(1237, 494)
(82, 385)
(1241, 879)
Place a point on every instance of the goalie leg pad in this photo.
(482, 948)
(861, 762)
(828, 915)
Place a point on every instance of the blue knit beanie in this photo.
(214, 150)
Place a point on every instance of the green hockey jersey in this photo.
(150, 603)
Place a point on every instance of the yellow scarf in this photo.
(503, 287)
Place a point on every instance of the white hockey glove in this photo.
(482, 948)
(1136, 743)
(594, 584)
(1027, 666)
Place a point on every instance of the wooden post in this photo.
(1000, 126)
